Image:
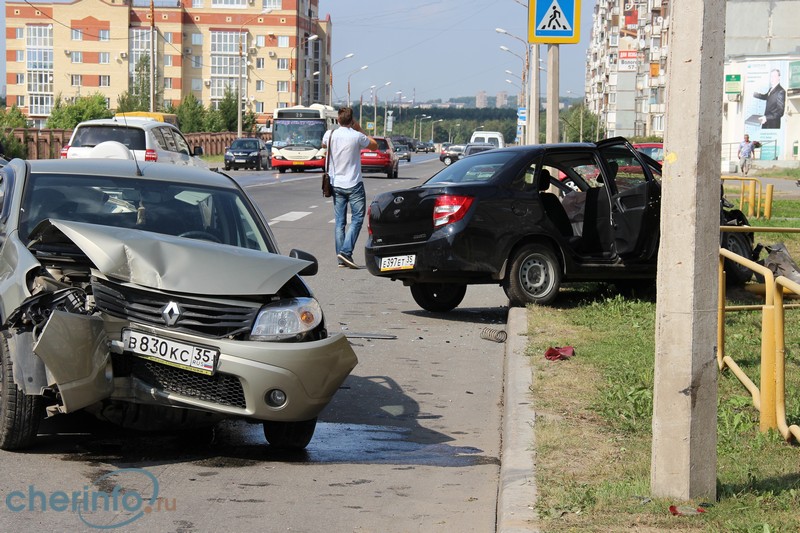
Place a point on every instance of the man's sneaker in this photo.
(347, 260)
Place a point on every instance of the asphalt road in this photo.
(411, 441)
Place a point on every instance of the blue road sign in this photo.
(554, 21)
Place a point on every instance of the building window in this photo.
(76, 57)
(260, 40)
(76, 80)
(259, 107)
(229, 3)
(197, 3)
(105, 81)
(612, 98)
(104, 35)
(167, 36)
(77, 35)
(283, 64)
(20, 101)
(658, 122)
(197, 39)
(167, 60)
(283, 41)
(283, 86)
(20, 56)
(260, 85)
(108, 103)
(271, 4)
(168, 83)
(104, 58)
(260, 63)
(19, 33)
(197, 84)
(20, 79)
(197, 62)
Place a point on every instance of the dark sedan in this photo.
(247, 153)
(492, 218)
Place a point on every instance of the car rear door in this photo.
(635, 192)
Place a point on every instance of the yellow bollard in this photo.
(751, 200)
(769, 417)
(768, 202)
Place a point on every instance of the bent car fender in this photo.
(75, 350)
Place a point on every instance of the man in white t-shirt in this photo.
(344, 168)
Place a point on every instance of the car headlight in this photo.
(228, 154)
(285, 319)
(278, 156)
(318, 157)
(252, 154)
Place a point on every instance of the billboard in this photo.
(765, 105)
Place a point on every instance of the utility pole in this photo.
(152, 56)
(684, 450)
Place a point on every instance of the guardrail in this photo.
(752, 199)
(769, 397)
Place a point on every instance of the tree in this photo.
(138, 98)
(67, 116)
(227, 106)
(191, 114)
(214, 121)
(12, 118)
(10, 147)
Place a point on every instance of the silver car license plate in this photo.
(200, 359)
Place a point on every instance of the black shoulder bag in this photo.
(327, 189)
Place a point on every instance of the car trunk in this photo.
(403, 216)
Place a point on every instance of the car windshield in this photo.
(382, 144)
(478, 168)
(171, 208)
(90, 136)
(244, 144)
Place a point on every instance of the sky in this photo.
(438, 49)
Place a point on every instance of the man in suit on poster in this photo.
(776, 102)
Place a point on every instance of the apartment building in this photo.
(277, 51)
(626, 79)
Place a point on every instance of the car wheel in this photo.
(282, 170)
(396, 173)
(534, 277)
(289, 435)
(258, 164)
(738, 243)
(20, 413)
(448, 160)
(390, 172)
(438, 297)
(227, 167)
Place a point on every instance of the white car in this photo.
(147, 139)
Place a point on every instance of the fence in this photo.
(752, 199)
(766, 152)
(47, 143)
(769, 397)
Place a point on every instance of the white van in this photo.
(491, 137)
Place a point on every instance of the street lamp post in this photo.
(361, 105)
(375, 104)
(414, 134)
(239, 94)
(365, 67)
(295, 97)
(433, 123)
(423, 117)
(526, 61)
(330, 89)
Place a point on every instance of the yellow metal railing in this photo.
(769, 397)
(753, 201)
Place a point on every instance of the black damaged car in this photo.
(528, 218)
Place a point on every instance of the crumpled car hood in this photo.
(173, 263)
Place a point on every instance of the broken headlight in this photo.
(285, 319)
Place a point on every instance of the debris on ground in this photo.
(496, 335)
(685, 510)
(559, 353)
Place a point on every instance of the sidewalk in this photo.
(517, 488)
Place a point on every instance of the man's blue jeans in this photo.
(356, 198)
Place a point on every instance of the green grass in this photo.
(594, 416)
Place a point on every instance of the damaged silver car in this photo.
(154, 295)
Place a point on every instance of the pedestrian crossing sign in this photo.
(554, 21)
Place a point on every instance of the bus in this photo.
(297, 136)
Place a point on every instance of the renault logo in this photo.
(171, 313)
(399, 200)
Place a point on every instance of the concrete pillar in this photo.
(533, 96)
(684, 454)
(551, 130)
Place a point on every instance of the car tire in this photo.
(20, 413)
(534, 276)
(390, 173)
(258, 164)
(227, 167)
(438, 297)
(282, 170)
(448, 160)
(738, 243)
(289, 435)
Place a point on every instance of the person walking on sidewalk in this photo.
(746, 148)
(345, 144)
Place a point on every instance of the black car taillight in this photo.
(450, 208)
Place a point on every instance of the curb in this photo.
(516, 497)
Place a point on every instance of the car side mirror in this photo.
(309, 270)
(198, 150)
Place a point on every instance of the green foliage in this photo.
(12, 118)
(227, 107)
(67, 116)
(10, 147)
(214, 121)
(191, 114)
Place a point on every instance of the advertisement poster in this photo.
(765, 106)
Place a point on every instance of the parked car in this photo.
(474, 148)
(382, 159)
(402, 152)
(247, 152)
(147, 139)
(154, 296)
(491, 218)
(451, 154)
(653, 150)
